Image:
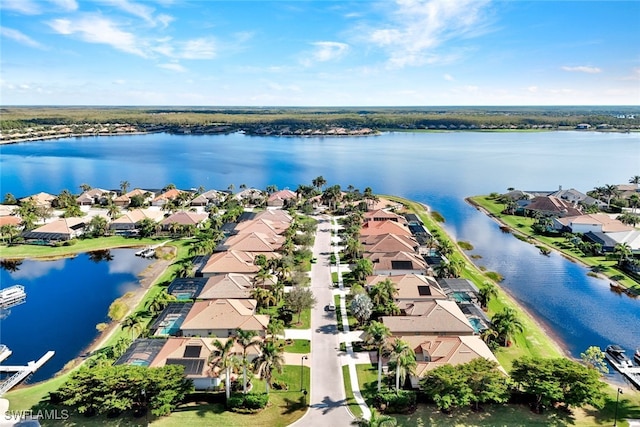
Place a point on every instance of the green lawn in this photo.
(523, 226)
(305, 320)
(351, 401)
(299, 346)
(533, 340)
(79, 246)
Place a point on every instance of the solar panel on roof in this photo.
(191, 366)
(424, 290)
(401, 265)
(192, 351)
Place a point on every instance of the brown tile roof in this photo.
(225, 314)
(176, 349)
(281, 196)
(389, 243)
(396, 261)
(433, 351)
(261, 225)
(232, 262)
(384, 227)
(167, 195)
(231, 285)
(136, 215)
(126, 198)
(41, 199)
(609, 224)
(61, 226)
(185, 218)
(253, 242)
(277, 215)
(10, 220)
(413, 287)
(383, 215)
(553, 205)
(441, 317)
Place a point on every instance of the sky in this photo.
(319, 53)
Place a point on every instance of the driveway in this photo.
(327, 397)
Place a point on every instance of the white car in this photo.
(331, 307)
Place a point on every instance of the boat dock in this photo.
(616, 357)
(21, 372)
(146, 252)
(4, 352)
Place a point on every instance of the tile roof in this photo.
(608, 223)
(384, 227)
(231, 285)
(185, 218)
(441, 317)
(382, 215)
(225, 314)
(412, 286)
(168, 195)
(553, 205)
(388, 243)
(136, 215)
(401, 260)
(253, 242)
(261, 225)
(42, 199)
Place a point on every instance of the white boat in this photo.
(13, 295)
(636, 356)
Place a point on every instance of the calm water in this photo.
(439, 169)
(66, 299)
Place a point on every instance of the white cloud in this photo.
(26, 7)
(325, 51)
(583, 69)
(96, 29)
(69, 5)
(203, 48)
(141, 11)
(421, 27)
(448, 77)
(533, 89)
(19, 37)
(173, 66)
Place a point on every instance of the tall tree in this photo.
(403, 359)
(486, 382)
(134, 322)
(447, 386)
(488, 291)
(361, 308)
(362, 269)
(124, 186)
(507, 323)
(246, 340)
(593, 357)
(319, 182)
(223, 358)
(378, 334)
(271, 359)
(299, 299)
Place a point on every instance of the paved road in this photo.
(327, 397)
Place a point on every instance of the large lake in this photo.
(439, 169)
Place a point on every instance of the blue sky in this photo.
(319, 53)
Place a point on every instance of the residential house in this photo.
(231, 262)
(193, 354)
(260, 225)
(170, 319)
(10, 220)
(602, 223)
(231, 285)
(460, 290)
(389, 243)
(608, 241)
(57, 230)
(130, 219)
(42, 200)
(186, 288)
(384, 227)
(433, 351)
(163, 198)
(436, 317)
(125, 199)
(184, 219)
(94, 196)
(411, 287)
(279, 198)
(252, 242)
(395, 263)
(551, 206)
(384, 215)
(275, 215)
(211, 197)
(576, 197)
(222, 317)
(250, 196)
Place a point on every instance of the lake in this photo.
(439, 169)
(66, 299)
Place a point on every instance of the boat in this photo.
(617, 357)
(636, 356)
(13, 295)
(146, 253)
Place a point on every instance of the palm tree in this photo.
(610, 191)
(124, 186)
(224, 359)
(134, 322)
(275, 328)
(445, 248)
(121, 346)
(270, 359)
(9, 232)
(245, 339)
(404, 359)
(262, 276)
(634, 179)
(507, 323)
(623, 251)
(362, 269)
(377, 334)
(486, 294)
(112, 210)
(634, 202)
(376, 420)
(185, 269)
(319, 182)
(160, 301)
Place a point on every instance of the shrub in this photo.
(390, 402)
(250, 402)
(279, 385)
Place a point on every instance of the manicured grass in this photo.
(334, 277)
(533, 340)
(80, 245)
(351, 401)
(523, 225)
(368, 381)
(305, 320)
(299, 346)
